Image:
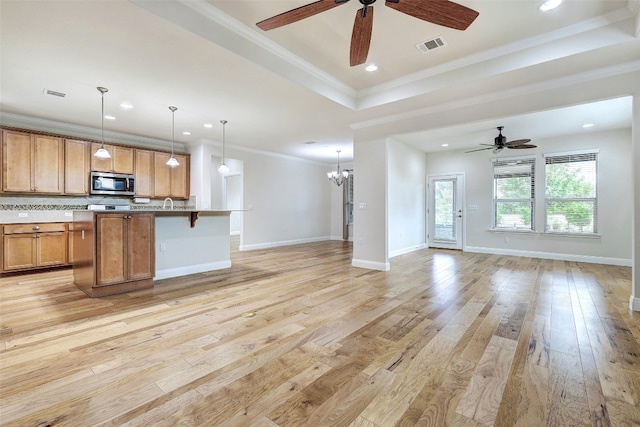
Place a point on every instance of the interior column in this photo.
(634, 301)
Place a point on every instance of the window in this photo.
(570, 192)
(513, 193)
(347, 196)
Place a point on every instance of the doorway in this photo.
(445, 211)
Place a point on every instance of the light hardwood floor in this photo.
(295, 336)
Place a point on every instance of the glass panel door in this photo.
(445, 211)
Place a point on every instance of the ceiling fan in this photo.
(500, 142)
(441, 12)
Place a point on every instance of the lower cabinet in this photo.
(114, 253)
(33, 246)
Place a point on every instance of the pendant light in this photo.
(223, 169)
(172, 162)
(102, 152)
(338, 176)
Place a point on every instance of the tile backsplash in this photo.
(24, 209)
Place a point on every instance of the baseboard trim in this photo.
(268, 245)
(552, 255)
(371, 265)
(634, 303)
(192, 269)
(407, 250)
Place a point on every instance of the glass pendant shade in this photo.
(102, 152)
(223, 169)
(172, 162)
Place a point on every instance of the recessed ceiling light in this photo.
(208, 125)
(588, 125)
(126, 106)
(444, 145)
(549, 5)
(186, 132)
(110, 117)
(371, 67)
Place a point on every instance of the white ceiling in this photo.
(283, 88)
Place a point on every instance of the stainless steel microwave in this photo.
(117, 184)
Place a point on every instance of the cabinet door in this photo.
(141, 246)
(122, 159)
(111, 249)
(144, 173)
(101, 165)
(162, 175)
(48, 164)
(180, 178)
(77, 165)
(19, 251)
(17, 165)
(51, 249)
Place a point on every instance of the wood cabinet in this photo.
(32, 246)
(121, 160)
(171, 182)
(32, 163)
(144, 172)
(114, 252)
(77, 166)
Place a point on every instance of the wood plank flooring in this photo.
(295, 336)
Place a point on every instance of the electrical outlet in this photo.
(506, 239)
(361, 240)
(163, 247)
(23, 215)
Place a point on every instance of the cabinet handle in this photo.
(36, 227)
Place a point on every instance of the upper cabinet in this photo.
(77, 166)
(121, 160)
(144, 173)
(32, 163)
(171, 182)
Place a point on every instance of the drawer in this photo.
(43, 227)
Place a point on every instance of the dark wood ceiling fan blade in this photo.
(521, 146)
(361, 36)
(441, 12)
(514, 144)
(298, 13)
(481, 149)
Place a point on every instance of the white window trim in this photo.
(545, 232)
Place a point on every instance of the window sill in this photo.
(512, 230)
(578, 235)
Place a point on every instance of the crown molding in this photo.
(202, 18)
(574, 79)
(77, 131)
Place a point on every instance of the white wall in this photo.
(370, 249)
(614, 186)
(406, 199)
(287, 200)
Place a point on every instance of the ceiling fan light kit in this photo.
(441, 12)
(500, 142)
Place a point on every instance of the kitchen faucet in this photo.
(164, 204)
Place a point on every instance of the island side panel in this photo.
(182, 250)
(84, 250)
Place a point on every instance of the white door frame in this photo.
(460, 223)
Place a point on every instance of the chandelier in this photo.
(338, 176)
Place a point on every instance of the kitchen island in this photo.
(127, 250)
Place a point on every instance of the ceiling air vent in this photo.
(434, 43)
(54, 93)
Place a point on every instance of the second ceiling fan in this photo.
(441, 12)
